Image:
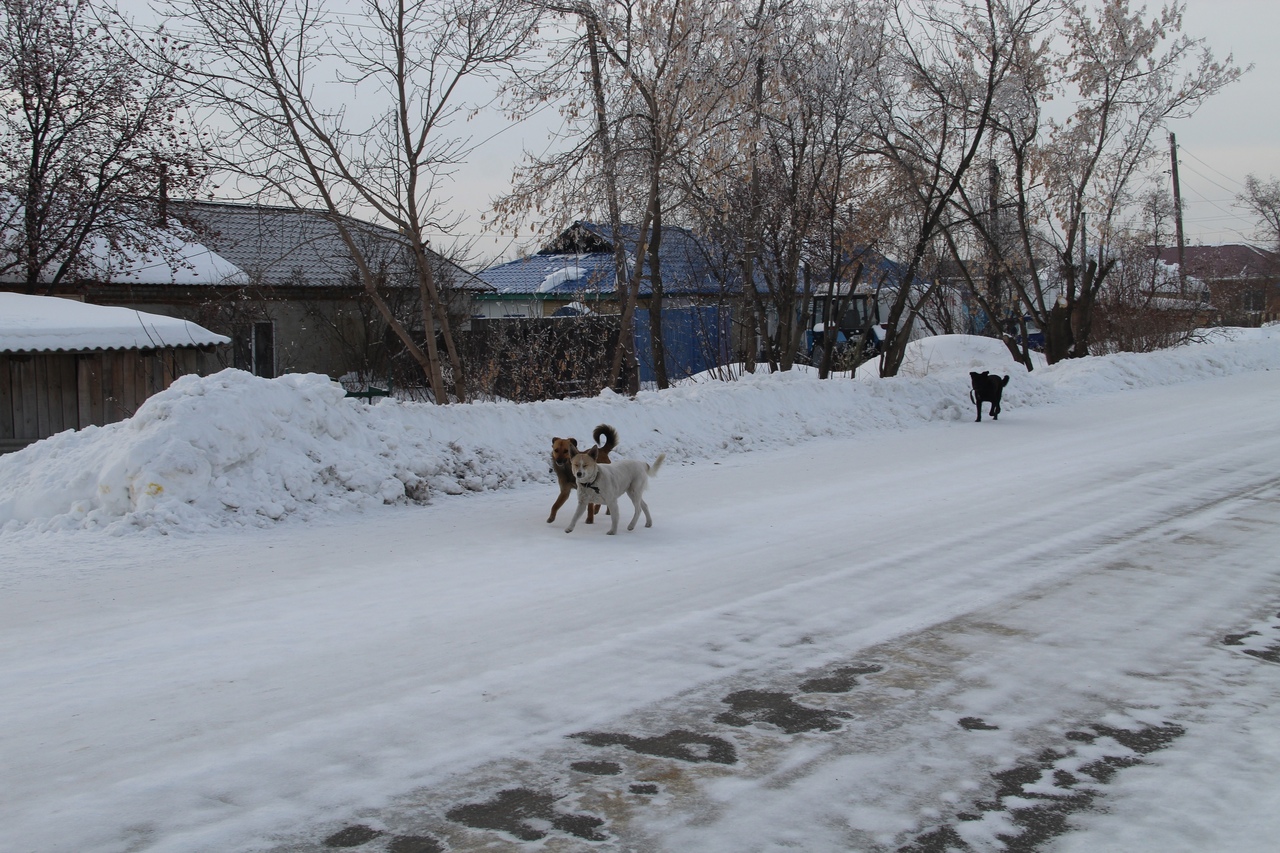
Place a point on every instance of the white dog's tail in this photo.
(657, 463)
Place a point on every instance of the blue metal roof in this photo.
(580, 260)
(878, 271)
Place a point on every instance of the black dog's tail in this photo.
(973, 398)
(610, 437)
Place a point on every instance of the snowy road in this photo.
(1032, 633)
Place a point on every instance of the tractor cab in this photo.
(859, 314)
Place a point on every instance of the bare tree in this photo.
(90, 137)
(646, 92)
(1145, 305)
(553, 187)
(1262, 199)
(809, 187)
(666, 54)
(1076, 180)
(357, 118)
(936, 97)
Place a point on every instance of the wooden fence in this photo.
(45, 393)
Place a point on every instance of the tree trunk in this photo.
(624, 354)
(658, 346)
(1057, 334)
(435, 315)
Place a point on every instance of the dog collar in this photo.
(592, 485)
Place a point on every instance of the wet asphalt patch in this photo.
(569, 797)
(1262, 641)
(842, 680)
(678, 744)
(778, 709)
(358, 835)
(597, 768)
(1039, 795)
(976, 724)
(414, 844)
(527, 815)
(352, 836)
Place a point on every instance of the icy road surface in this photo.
(1055, 632)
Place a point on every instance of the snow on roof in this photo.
(565, 270)
(174, 261)
(561, 276)
(52, 324)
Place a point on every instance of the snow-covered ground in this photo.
(259, 615)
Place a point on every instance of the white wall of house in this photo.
(503, 309)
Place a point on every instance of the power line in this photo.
(1209, 179)
(1229, 222)
(1211, 169)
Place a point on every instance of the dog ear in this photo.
(593, 453)
(573, 442)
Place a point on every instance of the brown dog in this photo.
(562, 452)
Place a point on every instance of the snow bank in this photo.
(236, 450)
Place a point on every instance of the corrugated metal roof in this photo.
(559, 270)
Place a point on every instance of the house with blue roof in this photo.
(578, 267)
(574, 275)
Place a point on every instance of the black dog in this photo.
(987, 389)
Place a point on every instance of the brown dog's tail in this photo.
(610, 437)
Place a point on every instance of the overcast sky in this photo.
(1234, 134)
(1237, 132)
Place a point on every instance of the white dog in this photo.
(604, 484)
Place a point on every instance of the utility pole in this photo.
(1177, 212)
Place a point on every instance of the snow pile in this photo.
(237, 450)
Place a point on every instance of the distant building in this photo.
(1243, 281)
(577, 268)
(576, 275)
(278, 281)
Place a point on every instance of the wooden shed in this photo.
(66, 364)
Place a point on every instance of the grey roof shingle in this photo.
(280, 246)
